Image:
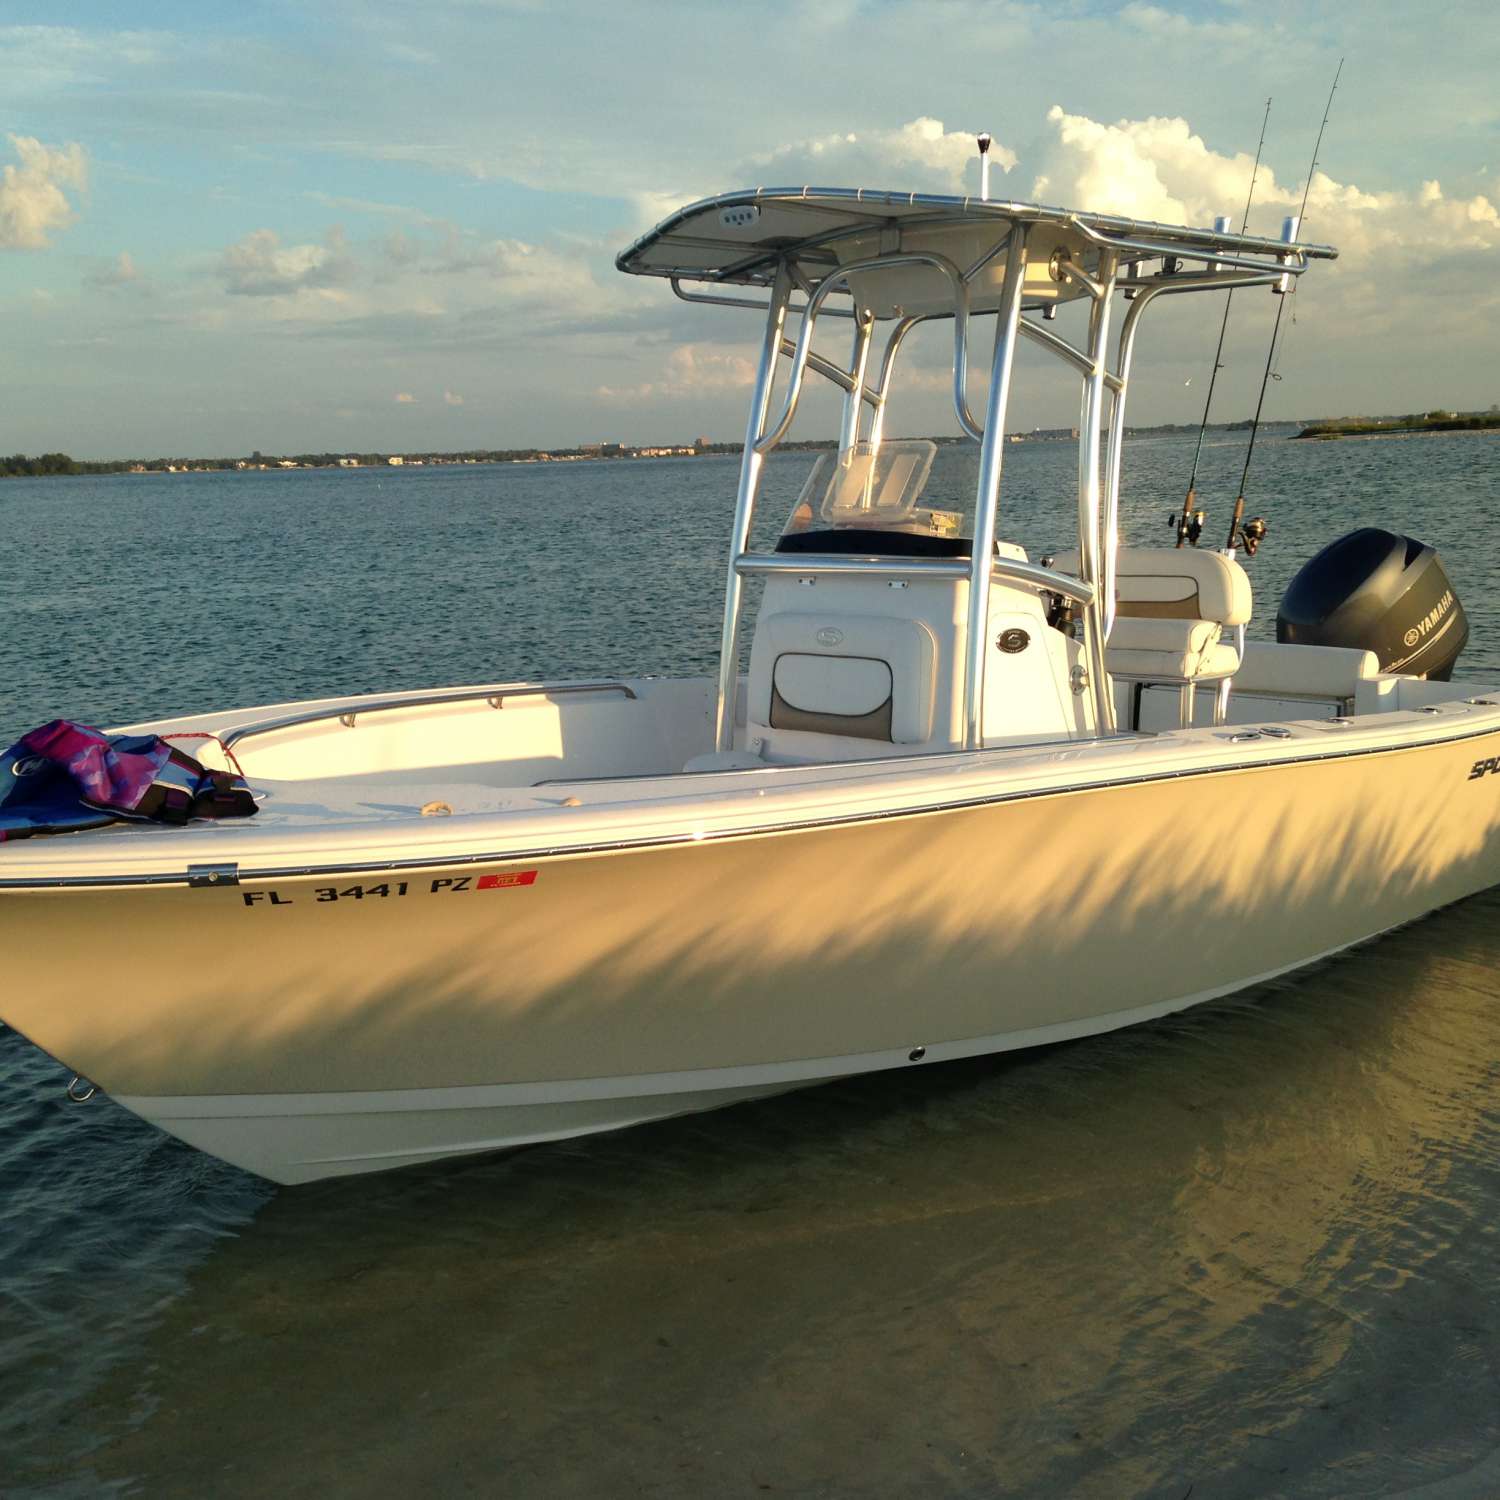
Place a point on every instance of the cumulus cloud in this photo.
(1155, 168)
(33, 196)
(1416, 268)
(260, 266)
(921, 154)
(120, 272)
(690, 370)
(1158, 168)
(435, 286)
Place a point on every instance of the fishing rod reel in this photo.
(1188, 524)
(1250, 534)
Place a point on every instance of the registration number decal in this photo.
(439, 885)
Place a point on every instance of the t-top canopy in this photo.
(739, 238)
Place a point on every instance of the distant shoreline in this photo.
(1431, 424)
(1401, 432)
(19, 466)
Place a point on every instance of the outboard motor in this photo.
(1376, 591)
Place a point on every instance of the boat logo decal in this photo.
(1013, 641)
(1485, 768)
(28, 765)
(1433, 615)
(829, 636)
(439, 885)
(506, 881)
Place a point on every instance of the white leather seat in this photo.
(1172, 605)
(861, 676)
(1320, 672)
(1170, 650)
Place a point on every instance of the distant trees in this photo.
(1432, 421)
(48, 463)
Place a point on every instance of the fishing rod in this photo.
(1250, 534)
(1185, 521)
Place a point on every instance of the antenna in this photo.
(1252, 533)
(984, 166)
(1220, 225)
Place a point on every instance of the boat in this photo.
(940, 799)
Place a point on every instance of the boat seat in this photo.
(858, 676)
(1170, 650)
(1320, 672)
(1172, 605)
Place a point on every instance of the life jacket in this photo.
(66, 777)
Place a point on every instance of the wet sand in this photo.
(1243, 1252)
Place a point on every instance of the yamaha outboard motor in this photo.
(1376, 591)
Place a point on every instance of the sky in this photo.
(347, 227)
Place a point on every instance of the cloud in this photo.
(452, 398)
(690, 370)
(65, 58)
(1415, 273)
(921, 154)
(260, 266)
(1158, 168)
(367, 206)
(120, 272)
(405, 398)
(33, 197)
(1167, 24)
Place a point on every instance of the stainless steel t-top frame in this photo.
(727, 241)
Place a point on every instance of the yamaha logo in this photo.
(1424, 625)
(828, 636)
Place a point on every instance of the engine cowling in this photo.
(1376, 591)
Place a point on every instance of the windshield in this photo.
(869, 489)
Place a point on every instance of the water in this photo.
(1248, 1250)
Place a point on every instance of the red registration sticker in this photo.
(506, 881)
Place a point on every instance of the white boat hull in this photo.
(641, 948)
(294, 1138)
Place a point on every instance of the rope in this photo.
(203, 734)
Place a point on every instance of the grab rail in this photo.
(495, 697)
(1042, 579)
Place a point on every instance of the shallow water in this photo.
(1248, 1250)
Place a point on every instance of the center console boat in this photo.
(941, 799)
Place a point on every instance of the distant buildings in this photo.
(395, 460)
